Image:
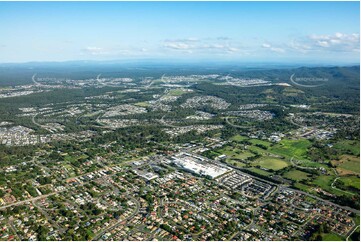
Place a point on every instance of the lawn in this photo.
(271, 163)
(296, 175)
(290, 148)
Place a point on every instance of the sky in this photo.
(315, 32)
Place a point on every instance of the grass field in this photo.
(235, 163)
(259, 171)
(296, 175)
(238, 138)
(142, 104)
(235, 153)
(290, 148)
(307, 163)
(271, 163)
(261, 142)
(176, 92)
(257, 150)
(352, 146)
(351, 181)
(347, 164)
(324, 182)
(302, 187)
(331, 237)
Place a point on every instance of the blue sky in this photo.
(324, 32)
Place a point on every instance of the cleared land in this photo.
(238, 138)
(332, 237)
(352, 146)
(292, 148)
(351, 181)
(296, 175)
(271, 163)
(259, 171)
(347, 164)
(235, 153)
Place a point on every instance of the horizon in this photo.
(232, 32)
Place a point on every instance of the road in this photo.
(234, 125)
(136, 210)
(50, 219)
(14, 229)
(302, 167)
(35, 82)
(351, 232)
(333, 187)
(323, 200)
(299, 191)
(29, 200)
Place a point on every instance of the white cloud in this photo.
(210, 45)
(177, 45)
(114, 52)
(94, 50)
(338, 42)
(273, 48)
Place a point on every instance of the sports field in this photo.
(271, 163)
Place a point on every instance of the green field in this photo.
(176, 92)
(257, 150)
(351, 164)
(302, 187)
(347, 165)
(235, 163)
(306, 163)
(238, 138)
(260, 142)
(352, 146)
(292, 148)
(259, 171)
(351, 181)
(324, 182)
(235, 153)
(296, 175)
(142, 104)
(331, 237)
(271, 163)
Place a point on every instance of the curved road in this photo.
(136, 210)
